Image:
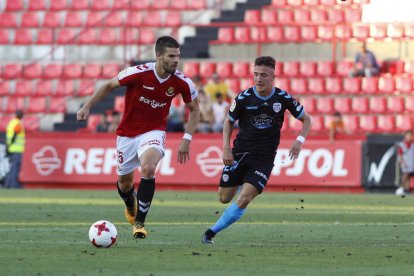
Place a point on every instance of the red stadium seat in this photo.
(378, 104)
(74, 19)
(318, 123)
(197, 4)
(37, 5)
(57, 105)
(318, 15)
(344, 67)
(343, 32)
(140, 5)
(23, 37)
(298, 86)
(92, 71)
(59, 5)
(134, 19)
(294, 3)
(351, 123)
(316, 85)
(328, 2)
(279, 3)
(96, 19)
(14, 5)
(284, 84)
(224, 69)
(225, 35)
(4, 37)
(65, 88)
(368, 123)
(301, 16)
(161, 4)
(110, 70)
(309, 103)
(275, 34)
(325, 32)
(12, 71)
(360, 104)
(311, 2)
(101, 5)
(14, 103)
(87, 37)
(242, 35)
(52, 19)
(307, 68)
(369, 85)
(122, 4)
(386, 84)
(207, 69)
(353, 15)
(246, 83)
(80, 5)
(37, 105)
(173, 19)
(285, 16)
(178, 5)
(115, 19)
(146, 36)
(119, 104)
(234, 85)
(352, 85)
(258, 34)
(8, 20)
(409, 103)
(156, 19)
(33, 71)
(107, 37)
(403, 122)
(404, 84)
(72, 71)
(241, 69)
(53, 71)
(252, 16)
(333, 85)
(378, 31)
(361, 32)
(325, 105)
(30, 19)
(23, 88)
(268, 17)
(191, 69)
(336, 15)
(324, 68)
(308, 33)
(44, 88)
(31, 123)
(86, 88)
(395, 31)
(343, 104)
(66, 36)
(4, 89)
(294, 124)
(93, 121)
(395, 104)
(386, 123)
(292, 33)
(45, 36)
(291, 68)
(129, 36)
(278, 69)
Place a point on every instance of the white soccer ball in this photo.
(103, 234)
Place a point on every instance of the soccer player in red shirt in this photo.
(150, 89)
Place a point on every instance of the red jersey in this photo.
(148, 98)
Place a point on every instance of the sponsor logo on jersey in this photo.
(262, 121)
(148, 87)
(170, 91)
(261, 175)
(152, 103)
(225, 177)
(251, 107)
(277, 107)
(233, 106)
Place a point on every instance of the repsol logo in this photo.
(152, 103)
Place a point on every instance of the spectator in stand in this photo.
(337, 126)
(220, 110)
(198, 83)
(406, 161)
(116, 119)
(365, 64)
(176, 116)
(216, 85)
(205, 124)
(103, 125)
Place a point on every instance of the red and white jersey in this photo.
(148, 98)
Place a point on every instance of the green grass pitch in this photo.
(45, 232)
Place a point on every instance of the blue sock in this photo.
(232, 214)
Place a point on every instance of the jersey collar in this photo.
(161, 80)
(263, 98)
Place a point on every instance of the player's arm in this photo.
(194, 117)
(98, 95)
(306, 127)
(228, 127)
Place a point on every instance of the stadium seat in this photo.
(275, 34)
(85, 88)
(72, 71)
(344, 67)
(409, 103)
(311, 2)
(191, 69)
(252, 16)
(333, 85)
(360, 104)
(140, 5)
(178, 5)
(328, 3)
(146, 36)
(116, 19)
(37, 5)
(96, 19)
(30, 19)
(4, 37)
(318, 15)
(369, 85)
(65, 88)
(360, 32)
(37, 105)
(343, 104)
(409, 31)
(279, 3)
(386, 123)
(224, 69)
(12, 71)
(53, 71)
(291, 68)
(31, 123)
(368, 123)
(298, 86)
(409, 67)
(33, 71)
(101, 5)
(301, 16)
(4, 89)
(134, 19)
(278, 69)
(23, 88)
(294, 124)
(74, 19)
(57, 105)
(66, 36)
(234, 85)
(325, 32)
(87, 36)
(335, 15)
(378, 31)
(316, 85)
(309, 103)
(52, 19)
(160, 4)
(44, 88)
(395, 31)
(292, 33)
(45, 36)
(285, 16)
(23, 37)
(268, 17)
(353, 15)
(121, 4)
(225, 35)
(352, 85)
(343, 32)
(307, 68)
(110, 70)
(173, 19)
(80, 5)
(8, 20)
(386, 84)
(119, 104)
(93, 121)
(197, 4)
(324, 68)
(403, 122)
(92, 71)
(129, 36)
(308, 33)
(258, 34)
(294, 3)
(14, 5)
(58, 5)
(404, 84)
(351, 123)
(207, 69)
(283, 83)
(378, 104)
(107, 37)
(242, 35)
(318, 123)
(156, 19)
(241, 69)
(325, 105)
(395, 104)
(14, 103)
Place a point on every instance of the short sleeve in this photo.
(190, 92)
(128, 76)
(291, 104)
(234, 110)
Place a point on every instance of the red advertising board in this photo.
(91, 160)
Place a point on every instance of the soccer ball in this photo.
(103, 234)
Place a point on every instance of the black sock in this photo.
(145, 194)
(210, 233)
(127, 197)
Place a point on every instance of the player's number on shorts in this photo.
(120, 156)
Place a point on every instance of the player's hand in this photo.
(184, 151)
(83, 113)
(294, 150)
(228, 158)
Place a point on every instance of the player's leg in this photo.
(125, 186)
(406, 183)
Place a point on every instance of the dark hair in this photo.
(337, 114)
(266, 61)
(19, 114)
(408, 132)
(165, 42)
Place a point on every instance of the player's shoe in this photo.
(206, 239)
(138, 230)
(401, 192)
(130, 213)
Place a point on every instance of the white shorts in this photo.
(129, 150)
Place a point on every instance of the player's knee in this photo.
(148, 170)
(125, 185)
(224, 199)
(243, 201)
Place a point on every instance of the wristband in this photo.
(301, 139)
(187, 136)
